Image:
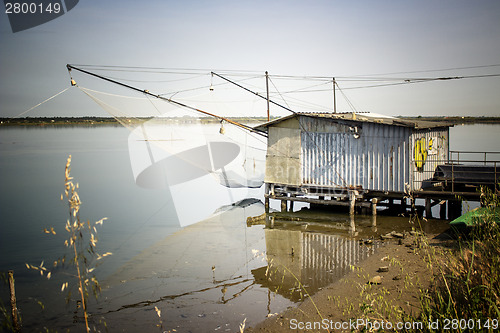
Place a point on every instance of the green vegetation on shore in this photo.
(465, 294)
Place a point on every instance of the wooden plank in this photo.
(321, 202)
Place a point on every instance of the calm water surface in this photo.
(208, 276)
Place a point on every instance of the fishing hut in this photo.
(354, 160)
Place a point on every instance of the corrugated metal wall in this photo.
(432, 144)
(332, 156)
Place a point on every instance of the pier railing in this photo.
(464, 172)
(474, 157)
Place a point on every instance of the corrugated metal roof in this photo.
(360, 117)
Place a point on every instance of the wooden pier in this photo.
(366, 202)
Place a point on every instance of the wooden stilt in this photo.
(283, 206)
(267, 190)
(269, 221)
(374, 223)
(428, 208)
(352, 226)
(404, 206)
(374, 206)
(352, 202)
(266, 198)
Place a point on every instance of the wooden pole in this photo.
(13, 303)
(266, 200)
(334, 99)
(267, 191)
(352, 225)
(352, 202)
(267, 91)
(428, 208)
(283, 206)
(404, 207)
(374, 206)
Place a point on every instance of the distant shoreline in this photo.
(457, 120)
(110, 121)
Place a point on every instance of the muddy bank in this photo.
(382, 284)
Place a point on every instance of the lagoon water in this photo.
(208, 276)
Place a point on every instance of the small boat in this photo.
(477, 216)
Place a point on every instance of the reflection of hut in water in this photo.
(315, 260)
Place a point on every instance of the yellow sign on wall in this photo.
(421, 152)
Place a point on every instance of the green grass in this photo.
(466, 294)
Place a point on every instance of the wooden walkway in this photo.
(447, 187)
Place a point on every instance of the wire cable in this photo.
(34, 107)
(279, 93)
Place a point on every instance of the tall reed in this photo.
(466, 293)
(81, 243)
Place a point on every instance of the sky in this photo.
(343, 39)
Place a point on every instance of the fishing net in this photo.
(183, 143)
(193, 155)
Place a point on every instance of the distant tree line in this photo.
(458, 119)
(94, 121)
